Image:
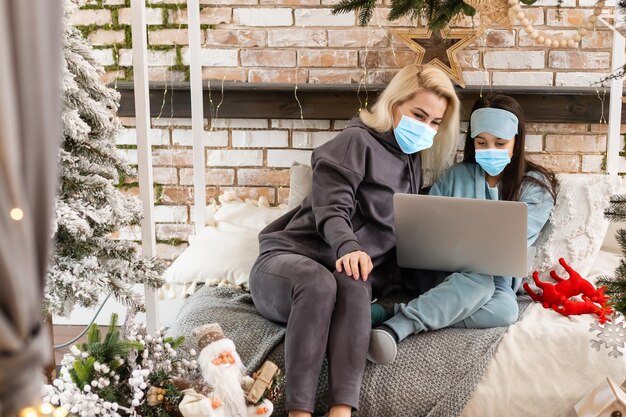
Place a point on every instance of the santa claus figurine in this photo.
(224, 373)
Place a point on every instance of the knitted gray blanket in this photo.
(434, 374)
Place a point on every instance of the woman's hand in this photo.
(356, 264)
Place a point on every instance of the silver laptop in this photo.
(461, 234)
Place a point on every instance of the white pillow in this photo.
(577, 225)
(248, 215)
(300, 184)
(224, 253)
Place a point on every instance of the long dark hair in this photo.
(515, 173)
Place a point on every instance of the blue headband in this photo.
(500, 123)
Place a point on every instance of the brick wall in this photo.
(299, 40)
(252, 157)
(290, 41)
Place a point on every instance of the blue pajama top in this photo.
(468, 180)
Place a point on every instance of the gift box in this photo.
(262, 381)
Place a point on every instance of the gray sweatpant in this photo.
(326, 313)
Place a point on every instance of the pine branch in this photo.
(345, 6)
(617, 208)
(620, 236)
(401, 8)
(366, 13)
(175, 343)
(616, 288)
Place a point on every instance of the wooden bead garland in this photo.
(542, 39)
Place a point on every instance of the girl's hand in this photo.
(356, 264)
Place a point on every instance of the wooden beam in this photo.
(342, 101)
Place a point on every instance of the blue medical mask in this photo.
(493, 161)
(413, 135)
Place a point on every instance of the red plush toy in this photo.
(550, 298)
(557, 296)
(586, 306)
(577, 285)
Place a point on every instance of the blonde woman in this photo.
(319, 263)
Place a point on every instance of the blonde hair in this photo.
(402, 87)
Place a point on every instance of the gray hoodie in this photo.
(350, 208)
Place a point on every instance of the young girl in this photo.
(494, 167)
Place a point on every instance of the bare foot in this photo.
(340, 411)
(298, 413)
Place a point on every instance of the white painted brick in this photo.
(183, 137)
(565, 3)
(90, 17)
(522, 78)
(515, 59)
(130, 155)
(263, 17)
(180, 231)
(126, 137)
(577, 59)
(158, 137)
(155, 58)
(106, 37)
(296, 37)
(323, 17)
(469, 59)
(592, 3)
(170, 214)
(578, 79)
(164, 175)
(311, 139)
(132, 232)
(592, 163)
(285, 158)
(214, 57)
(172, 121)
(260, 138)
(170, 252)
(497, 39)
(234, 158)
(154, 16)
(103, 56)
(534, 143)
(239, 123)
(301, 124)
(340, 124)
(526, 40)
(476, 77)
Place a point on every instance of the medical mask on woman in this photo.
(413, 135)
(493, 161)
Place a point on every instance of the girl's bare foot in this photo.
(340, 411)
(298, 413)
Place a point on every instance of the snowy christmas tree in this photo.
(616, 285)
(86, 261)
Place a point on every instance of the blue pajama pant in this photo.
(461, 300)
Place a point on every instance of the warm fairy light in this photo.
(17, 214)
(60, 412)
(29, 412)
(45, 409)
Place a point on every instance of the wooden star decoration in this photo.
(439, 48)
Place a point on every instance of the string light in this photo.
(45, 409)
(543, 39)
(17, 214)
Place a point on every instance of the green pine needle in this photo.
(175, 343)
(439, 12)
